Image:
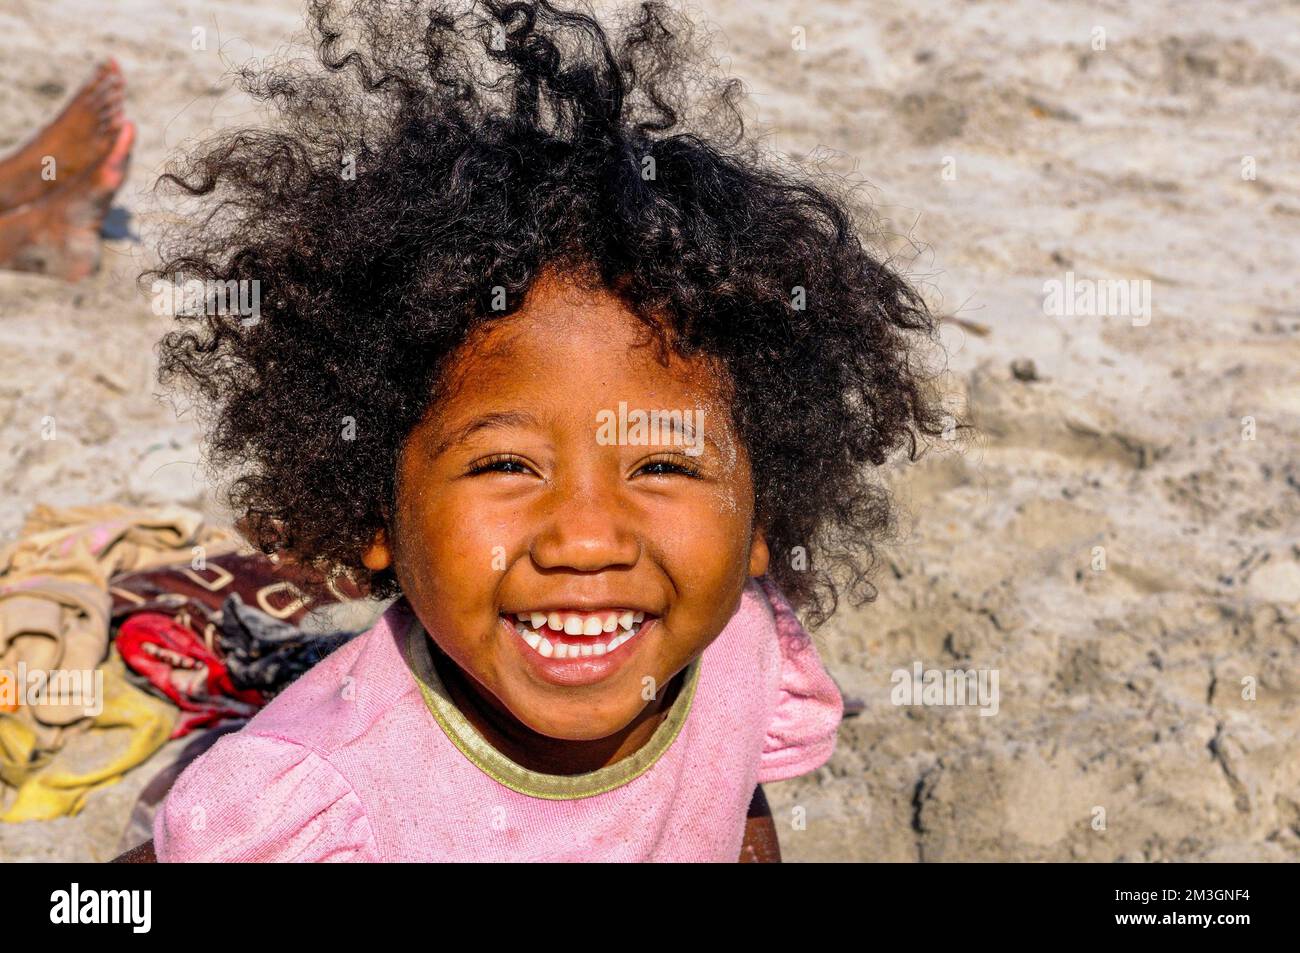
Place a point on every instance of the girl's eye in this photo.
(675, 466)
(499, 463)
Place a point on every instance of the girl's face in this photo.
(534, 491)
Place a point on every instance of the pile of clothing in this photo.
(148, 624)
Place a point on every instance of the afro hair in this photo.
(431, 152)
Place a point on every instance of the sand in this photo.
(1118, 542)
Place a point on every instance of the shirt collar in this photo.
(497, 766)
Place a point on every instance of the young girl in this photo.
(592, 387)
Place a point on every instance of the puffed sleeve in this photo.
(253, 797)
(802, 728)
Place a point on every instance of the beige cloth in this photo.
(55, 604)
(132, 725)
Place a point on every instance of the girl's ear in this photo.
(378, 556)
(758, 553)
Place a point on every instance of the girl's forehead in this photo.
(573, 331)
(555, 313)
(569, 361)
(588, 363)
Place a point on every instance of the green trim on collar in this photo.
(497, 766)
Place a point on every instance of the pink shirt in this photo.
(364, 759)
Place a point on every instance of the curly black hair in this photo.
(433, 151)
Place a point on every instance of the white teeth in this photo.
(578, 626)
(585, 625)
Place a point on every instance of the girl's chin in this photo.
(542, 718)
(578, 735)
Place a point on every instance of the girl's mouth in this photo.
(577, 648)
(575, 635)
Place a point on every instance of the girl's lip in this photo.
(583, 670)
(602, 613)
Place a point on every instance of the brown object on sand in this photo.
(56, 190)
(137, 855)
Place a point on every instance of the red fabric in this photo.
(182, 606)
(185, 669)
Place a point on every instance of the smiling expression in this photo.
(572, 577)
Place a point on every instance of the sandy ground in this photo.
(1111, 544)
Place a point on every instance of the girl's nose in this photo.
(586, 531)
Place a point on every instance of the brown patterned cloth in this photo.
(244, 613)
(196, 595)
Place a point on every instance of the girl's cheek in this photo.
(478, 544)
(732, 505)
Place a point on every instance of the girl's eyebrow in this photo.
(495, 419)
